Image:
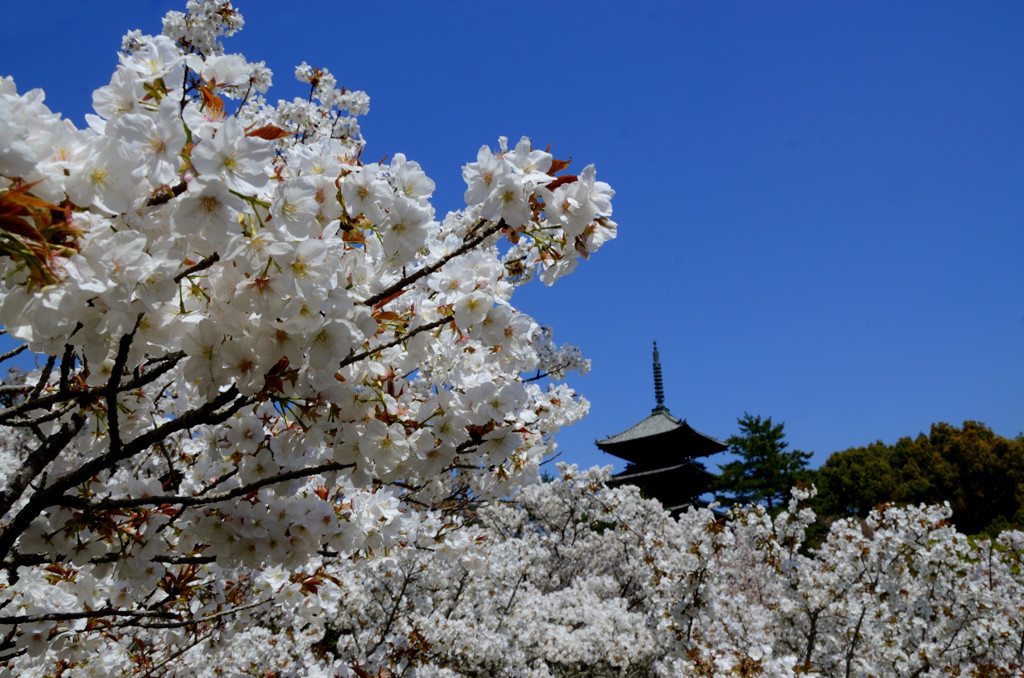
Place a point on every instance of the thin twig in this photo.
(427, 270)
(216, 411)
(88, 393)
(13, 352)
(201, 620)
(84, 614)
(180, 651)
(41, 419)
(184, 500)
(355, 357)
(37, 461)
(195, 268)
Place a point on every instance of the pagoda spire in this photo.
(659, 391)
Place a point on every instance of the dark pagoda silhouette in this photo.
(662, 452)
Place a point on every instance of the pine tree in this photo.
(766, 471)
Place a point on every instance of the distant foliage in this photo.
(978, 472)
(766, 470)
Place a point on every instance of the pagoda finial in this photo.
(659, 391)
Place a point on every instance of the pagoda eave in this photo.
(649, 449)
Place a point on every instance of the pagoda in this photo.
(662, 452)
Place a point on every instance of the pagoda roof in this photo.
(676, 486)
(647, 442)
(660, 421)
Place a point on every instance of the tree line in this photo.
(980, 474)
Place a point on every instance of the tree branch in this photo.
(41, 419)
(427, 270)
(169, 361)
(35, 559)
(37, 461)
(201, 266)
(168, 194)
(43, 377)
(151, 671)
(355, 357)
(196, 500)
(65, 368)
(85, 614)
(113, 426)
(209, 413)
(13, 352)
(201, 620)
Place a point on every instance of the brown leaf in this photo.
(211, 100)
(19, 227)
(559, 165)
(581, 247)
(384, 316)
(564, 179)
(380, 304)
(353, 235)
(269, 132)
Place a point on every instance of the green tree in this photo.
(766, 471)
(980, 474)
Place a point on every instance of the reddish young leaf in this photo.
(559, 165)
(269, 132)
(19, 227)
(211, 100)
(380, 304)
(564, 179)
(384, 316)
(22, 198)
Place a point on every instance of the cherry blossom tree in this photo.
(572, 578)
(257, 354)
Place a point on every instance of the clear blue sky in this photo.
(820, 203)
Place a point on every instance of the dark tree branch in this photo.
(13, 352)
(181, 509)
(199, 500)
(113, 426)
(356, 357)
(41, 419)
(89, 393)
(195, 268)
(36, 559)
(480, 236)
(65, 368)
(544, 375)
(209, 413)
(85, 614)
(201, 620)
(152, 670)
(167, 194)
(37, 461)
(43, 377)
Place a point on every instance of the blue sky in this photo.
(820, 203)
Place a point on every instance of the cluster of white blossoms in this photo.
(576, 579)
(257, 354)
